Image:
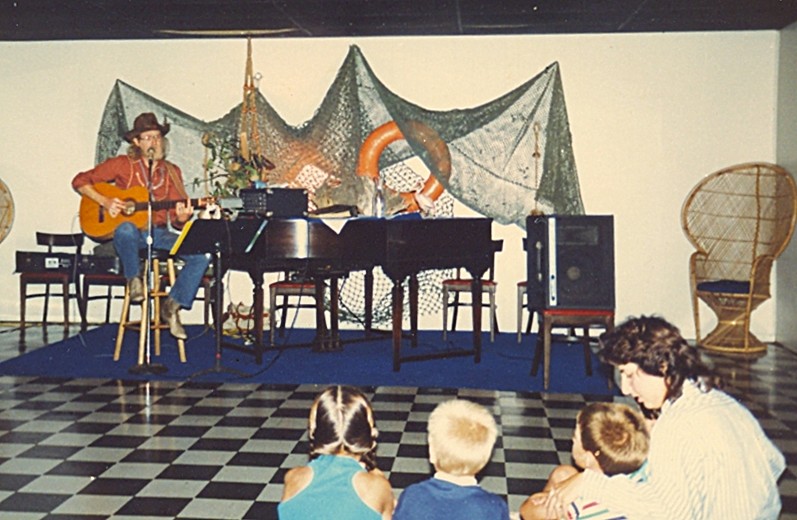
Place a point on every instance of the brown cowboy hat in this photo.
(144, 122)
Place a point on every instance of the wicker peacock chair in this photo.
(739, 219)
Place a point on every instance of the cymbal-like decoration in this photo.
(6, 211)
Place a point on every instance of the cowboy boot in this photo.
(170, 315)
(135, 286)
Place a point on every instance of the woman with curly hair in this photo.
(341, 482)
(709, 457)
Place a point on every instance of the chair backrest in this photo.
(53, 240)
(738, 214)
(498, 246)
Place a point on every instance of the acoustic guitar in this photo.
(97, 223)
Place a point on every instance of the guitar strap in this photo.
(132, 174)
(177, 184)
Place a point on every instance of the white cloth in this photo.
(709, 459)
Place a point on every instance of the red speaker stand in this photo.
(571, 318)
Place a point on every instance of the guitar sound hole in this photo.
(129, 209)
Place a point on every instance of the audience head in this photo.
(654, 360)
(611, 435)
(342, 423)
(461, 437)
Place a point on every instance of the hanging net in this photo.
(508, 158)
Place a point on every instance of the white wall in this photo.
(786, 266)
(650, 115)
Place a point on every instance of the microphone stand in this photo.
(144, 366)
(218, 298)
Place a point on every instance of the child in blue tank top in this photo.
(341, 481)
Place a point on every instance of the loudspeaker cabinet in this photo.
(570, 262)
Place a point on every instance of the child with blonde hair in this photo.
(341, 482)
(461, 439)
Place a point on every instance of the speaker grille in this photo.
(571, 262)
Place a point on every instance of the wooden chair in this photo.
(458, 286)
(303, 290)
(109, 280)
(59, 274)
(739, 219)
(522, 306)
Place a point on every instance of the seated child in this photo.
(611, 438)
(461, 439)
(341, 480)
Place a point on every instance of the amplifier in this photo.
(39, 262)
(274, 202)
(96, 264)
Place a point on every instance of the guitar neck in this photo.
(167, 204)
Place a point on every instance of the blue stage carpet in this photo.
(505, 364)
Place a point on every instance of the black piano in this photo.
(403, 246)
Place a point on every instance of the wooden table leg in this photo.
(369, 300)
(334, 313)
(476, 298)
(546, 352)
(398, 304)
(257, 297)
(414, 309)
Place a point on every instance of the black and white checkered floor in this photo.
(109, 449)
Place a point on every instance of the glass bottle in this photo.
(378, 201)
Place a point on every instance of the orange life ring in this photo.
(377, 141)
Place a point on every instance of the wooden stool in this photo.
(571, 318)
(158, 292)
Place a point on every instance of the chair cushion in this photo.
(288, 284)
(104, 279)
(577, 312)
(725, 286)
(458, 282)
(45, 277)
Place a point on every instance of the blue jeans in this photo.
(129, 241)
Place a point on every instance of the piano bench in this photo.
(570, 318)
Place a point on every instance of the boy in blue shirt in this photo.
(461, 439)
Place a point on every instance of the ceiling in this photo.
(32, 20)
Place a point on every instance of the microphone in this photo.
(150, 153)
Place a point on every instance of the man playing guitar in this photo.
(145, 157)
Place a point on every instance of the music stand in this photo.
(219, 237)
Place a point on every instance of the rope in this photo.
(249, 110)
